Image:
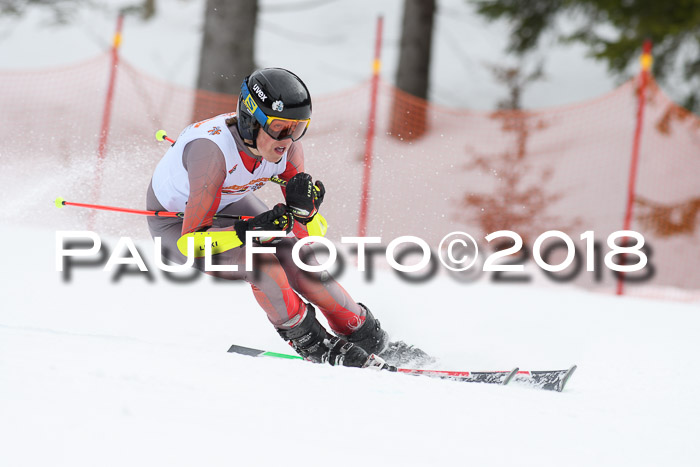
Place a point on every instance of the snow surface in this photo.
(94, 372)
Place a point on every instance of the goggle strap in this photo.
(250, 103)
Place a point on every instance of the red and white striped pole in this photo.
(646, 61)
(376, 66)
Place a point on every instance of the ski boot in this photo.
(371, 337)
(311, 340)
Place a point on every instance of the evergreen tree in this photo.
(673, 27)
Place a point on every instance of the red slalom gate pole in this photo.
(646, 61)
(107, 111)
(364, 201)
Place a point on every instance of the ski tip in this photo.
(566, 377)
(59, 202)
(239, 349)
(510, 376)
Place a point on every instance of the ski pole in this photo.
(60, 202)
(161, 135)
(221, 240)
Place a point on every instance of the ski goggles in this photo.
(277, 127)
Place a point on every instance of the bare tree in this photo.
(408, 119)
(227, 51)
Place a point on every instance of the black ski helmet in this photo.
(270, 92)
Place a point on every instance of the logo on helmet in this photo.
(259, 92)
(250, 104)
(278, 106)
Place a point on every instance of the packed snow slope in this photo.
(135, 372)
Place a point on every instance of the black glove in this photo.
(304, 197)
(274, 219)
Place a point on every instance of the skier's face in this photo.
(271, 150)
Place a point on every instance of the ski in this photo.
(489, 377)
(554, 380)
(239, 349)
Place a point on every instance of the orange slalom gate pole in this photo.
(646, 61)
(364, 201)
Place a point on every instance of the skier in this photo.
(215, 166)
